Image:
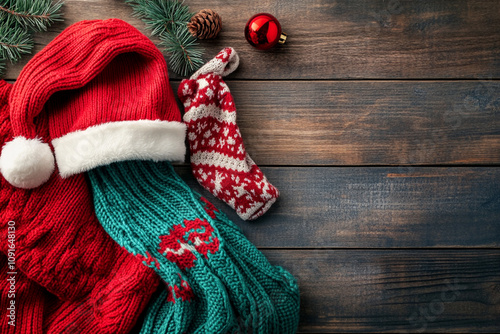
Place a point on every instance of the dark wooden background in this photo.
(379, 122)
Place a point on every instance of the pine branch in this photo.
(161, 16)
(168, 20)
(14, 42)
(34, 15)
(19, 19)
(183, 56)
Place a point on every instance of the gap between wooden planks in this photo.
(395, 290)
(375, 207)
(362, 39)
(369, 122)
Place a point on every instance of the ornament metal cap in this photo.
(283, 37)
(263, 31)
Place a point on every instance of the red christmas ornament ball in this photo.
(263, 31)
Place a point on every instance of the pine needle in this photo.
(183, 56)
(19, 19)
(33, 15)
(14, 42)
(168, 20)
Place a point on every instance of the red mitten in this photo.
(218, 157)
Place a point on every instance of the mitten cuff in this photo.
(226, 61)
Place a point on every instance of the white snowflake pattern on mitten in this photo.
(218, 157)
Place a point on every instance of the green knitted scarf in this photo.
(216, 280)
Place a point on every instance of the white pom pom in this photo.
(26, 163)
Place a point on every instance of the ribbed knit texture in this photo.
(115, 68)
(150, 211)
(94, 73)
(140, 205)
(219, 160)
(274, 289)
(103, 88)
(61, 246)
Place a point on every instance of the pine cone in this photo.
(205, 24)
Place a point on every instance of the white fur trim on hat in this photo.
(26, 163)
(100, 145)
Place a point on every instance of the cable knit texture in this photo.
(60, 244)
(219, 160)
(217, 281)
(38, 312)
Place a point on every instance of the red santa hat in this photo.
(106, 91)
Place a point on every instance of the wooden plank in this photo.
(369, 123)
(395, 290)
(343, 38)
(376, 207)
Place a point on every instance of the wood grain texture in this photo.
(378, 241)
(395, 291)
(332, 39)
(376, 207)
(369, 123)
